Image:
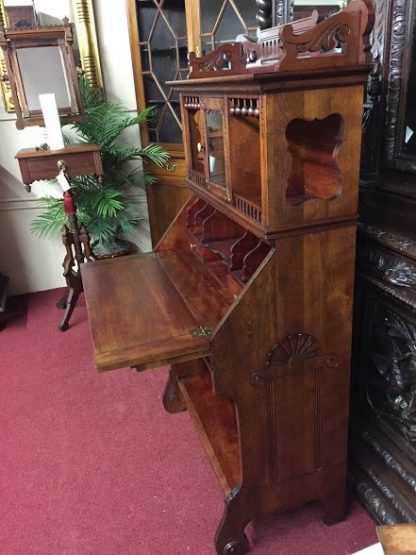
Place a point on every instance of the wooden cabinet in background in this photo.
(161, 35)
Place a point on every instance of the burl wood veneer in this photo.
(248, 295)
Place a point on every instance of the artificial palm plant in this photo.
(105, 210)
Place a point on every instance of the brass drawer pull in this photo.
(171, 167)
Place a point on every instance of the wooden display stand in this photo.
(71, 161)
(248, 296)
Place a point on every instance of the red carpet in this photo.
(91, 464)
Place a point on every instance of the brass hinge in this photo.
(202, 331)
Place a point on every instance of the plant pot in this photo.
(113, 248)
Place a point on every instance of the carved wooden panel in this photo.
(383, 443)
(294, 373)
(373, 119)
(399, 66)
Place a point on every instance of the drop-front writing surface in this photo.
(272, 152)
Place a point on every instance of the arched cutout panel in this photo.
(314, 146)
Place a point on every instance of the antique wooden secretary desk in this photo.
(248, 296)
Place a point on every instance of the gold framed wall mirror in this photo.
(20, 15)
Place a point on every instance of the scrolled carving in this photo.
(329, 34)
(388, 267)
(388, 458)
(391, 240)
(388, 492)
(391, 389)
(331, 38)
(227, 57)
(401, 274)
(295, 46)
(373, 500)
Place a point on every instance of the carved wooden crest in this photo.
(342, 39)
(295, 353)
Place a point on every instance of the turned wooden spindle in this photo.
(264, 13)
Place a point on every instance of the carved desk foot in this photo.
(334, 501)
(172, 398)
(230, 537)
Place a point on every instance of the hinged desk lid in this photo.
(144, 309)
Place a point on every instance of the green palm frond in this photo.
(51, 220)
(108, 202)
(105, 210)
(154, 153)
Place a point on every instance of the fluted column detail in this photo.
(87, 41)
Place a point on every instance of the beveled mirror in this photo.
(28, 15)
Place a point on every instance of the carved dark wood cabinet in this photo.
(383, 430)
(248, 295)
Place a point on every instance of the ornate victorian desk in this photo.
(248, 296)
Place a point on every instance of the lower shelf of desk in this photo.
(216, 423)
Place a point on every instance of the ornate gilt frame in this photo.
(84, 21)
(398, 62)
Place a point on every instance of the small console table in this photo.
(248, 295)
(72, 161)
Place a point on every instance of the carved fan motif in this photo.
(295, 345)
(282, 358)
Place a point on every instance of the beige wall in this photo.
(34, 264)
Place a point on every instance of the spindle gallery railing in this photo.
(247, 208)
(197, 178)
(191, 102)
(244, 107)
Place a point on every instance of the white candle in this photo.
(52, 123)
